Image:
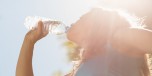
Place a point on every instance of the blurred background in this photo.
(49, 53)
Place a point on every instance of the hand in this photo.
(37, 33)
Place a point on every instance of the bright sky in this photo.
(49, 55)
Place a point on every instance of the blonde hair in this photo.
(119, 19)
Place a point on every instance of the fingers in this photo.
(41, 29)
(40, 26)
(46, 30)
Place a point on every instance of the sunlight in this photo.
(80, 7)
(119, 4)
(111, 4)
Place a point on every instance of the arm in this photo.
(138, 38)
(24, 65)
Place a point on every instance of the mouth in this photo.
(68, 27)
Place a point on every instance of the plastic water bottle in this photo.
(55, 26)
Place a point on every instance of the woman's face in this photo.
(89, 30)
(79, 30)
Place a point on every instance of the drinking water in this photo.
(55, 26)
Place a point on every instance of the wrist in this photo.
(29, 41)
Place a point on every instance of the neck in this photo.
(91, 51)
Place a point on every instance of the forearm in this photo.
(24, 65)
(137, 38)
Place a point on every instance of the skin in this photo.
(133, 38)
(24, 65)
(136, 41)
(140, 40)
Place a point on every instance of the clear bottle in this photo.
(55, 27)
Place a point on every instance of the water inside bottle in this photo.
(55, 26)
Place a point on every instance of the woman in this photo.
(112, 47)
